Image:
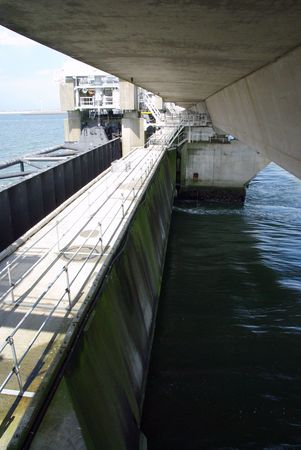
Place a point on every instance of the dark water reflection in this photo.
(225, 369)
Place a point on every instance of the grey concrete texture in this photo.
(241, 56)
(128, 95)
(67, 96)
(184, 50)
(72, 126)
(132, 134)
(219, 165)
(263, 110)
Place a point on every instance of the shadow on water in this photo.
(225, 369)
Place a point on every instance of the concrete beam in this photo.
(182, 50)
(263, 110)
(188, 51)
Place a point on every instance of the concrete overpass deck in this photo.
(45, 281)
(239, 60)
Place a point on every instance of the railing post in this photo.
(10, 282)
(15, 369)
(68, 286)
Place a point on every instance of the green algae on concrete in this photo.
(16, 412)
(107, 369)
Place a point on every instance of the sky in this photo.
(27, 73)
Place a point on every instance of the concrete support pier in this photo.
(72, 126)
(217, 171)
(132, 125)
(132, 131)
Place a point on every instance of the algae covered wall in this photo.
(98, 402)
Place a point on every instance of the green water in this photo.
(225, 370)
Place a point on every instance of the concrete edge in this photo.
(33, 416)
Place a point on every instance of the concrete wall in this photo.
(24, 204)
(219, 167)
(132, 132)
(263, 110)
(67, 96)
(98, 402)
(128, 96)
(72, 126)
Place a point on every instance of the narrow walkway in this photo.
(45, 281)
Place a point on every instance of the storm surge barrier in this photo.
(49, 281)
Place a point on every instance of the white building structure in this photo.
(96, 92)
(84, 88)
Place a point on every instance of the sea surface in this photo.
(27, 133)
(225, 370)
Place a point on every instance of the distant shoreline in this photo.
(36, 113)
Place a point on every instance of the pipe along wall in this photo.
(98, 402)
(24, 204)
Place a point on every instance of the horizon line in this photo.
(35, 111)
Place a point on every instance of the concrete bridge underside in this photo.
(240, 59)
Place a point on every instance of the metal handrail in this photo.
(89, 190)
(188, 118)
(7, 269)
(162, 137)
(130, 198)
